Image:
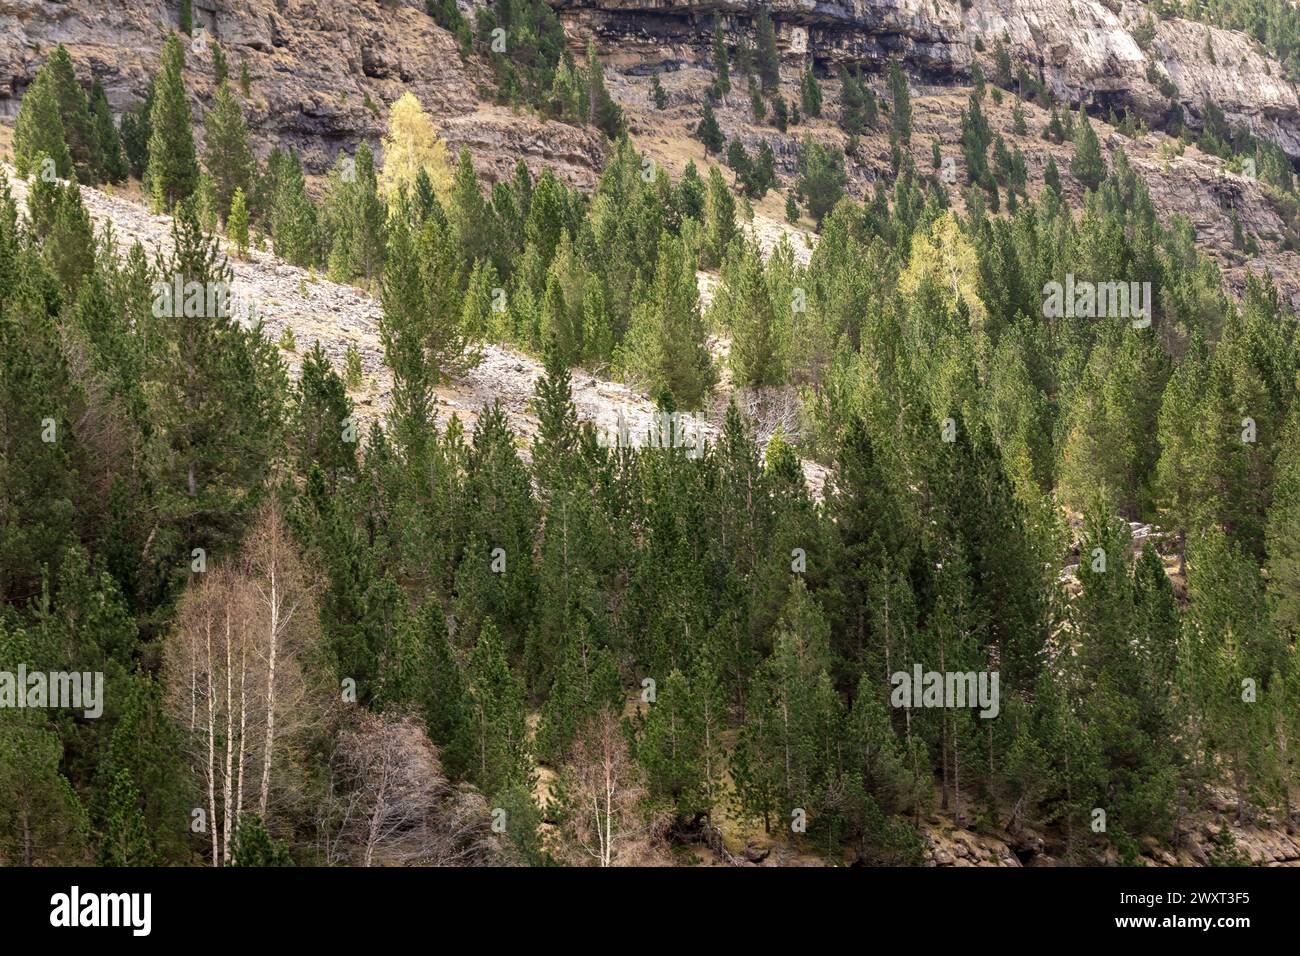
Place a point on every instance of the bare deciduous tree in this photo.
(389, 803)
(233, 674)
(206, 663)
(602, 792)
(286, 619)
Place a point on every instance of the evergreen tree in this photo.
(1283, 532)
(768, 60)
(136, 130)
(602, 111)
(255, 847)
(125, 841)
(173, 171)
(1051, 176)
(217, 392)
(38, 129)
(721, 65)
(237, 223)
(42, 823)
(679, 746)
(657, 94)
(757, 349)
(114, 164)
(585, 682)
(780, 114)
(719, 220)
(78, 128)
(708, 132)
(226, 152)
(665, 345)
(355, 218)
(1088, 165)
(810, 95)
(900, 102)
(821, 177)
(499, 718)
(294, 224)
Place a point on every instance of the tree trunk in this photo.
(230, 745)
(270, 691)
(212, 743)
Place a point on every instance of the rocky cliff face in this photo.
(322, 73)
(322, 70)
(1084, 50)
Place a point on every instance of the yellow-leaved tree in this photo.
(410, 145)
(948, 258)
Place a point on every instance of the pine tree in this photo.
(126, 841)
(721, 65)
(496, 577)
(69, 246)
(780, 114)
(467, 210)
(1231, 652)
(557, 435)
(173, 171)
(768, 59)
(78, 128)
(42, 823)
(227, 155)
(114, 165)
(255, 847)
(719, 220)
(657, 94)
(1001, 64)
(136, 130)
(237, 223)
(294, 223)
(1283, 533)
(499, 718)
(900, 102)
(204, 201)
(447, 707)
(665, 345)
(757, 348)
(810, 95)
(584, 681)
(143, 752)
(1051, 176)
(708, 132)
(602, 111)
(217, 392)
(1088, 165)
(322, 419)
(354, 218)
(1054, 132)
(1018, 124)
(821, 177)
(679, 747)
(220, 67)
(38, 129)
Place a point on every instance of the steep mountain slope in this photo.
(338, 316)
(1085, 50)
(322, 73)
(1185, 182)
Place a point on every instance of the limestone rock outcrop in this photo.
(321, 71)
(1083, 50)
